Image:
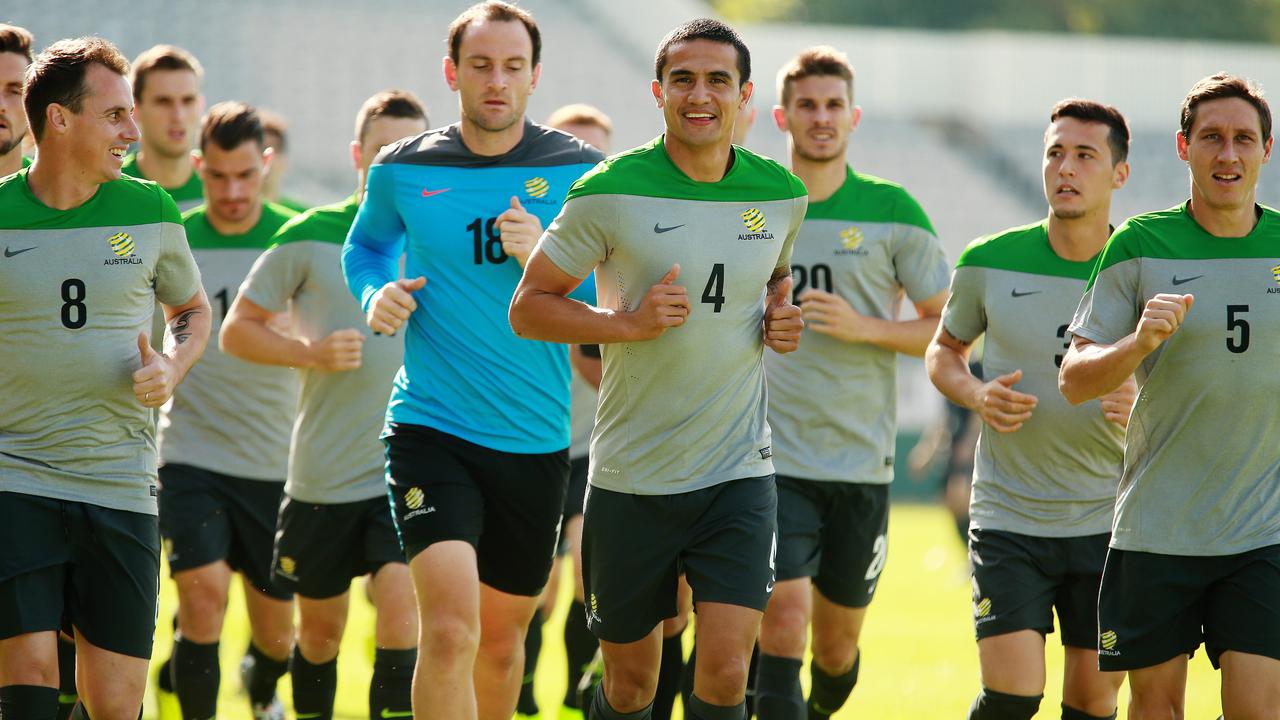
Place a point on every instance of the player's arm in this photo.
(371, 257)
(247, 333)
(586, 361)
(831, 314)
(188, 326)
(1092, 369)
(995, 401)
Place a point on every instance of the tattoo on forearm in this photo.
(181, 325)
(779, 274)
(963, 343)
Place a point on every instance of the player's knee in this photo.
(724, 679)
(674, 626)
(992, 705)
(835, 655)
(451, 639)
(319, 638)
(784, 630)
(1150, 700)
(200, 612)
(502, 646)
(630, 687)
(38, 671)
(111, 705)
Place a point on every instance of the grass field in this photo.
(920, 661)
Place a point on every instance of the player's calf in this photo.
(993, 705)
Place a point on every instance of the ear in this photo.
(200, 106)
(537, 73)
(855, 117)
(1181, 142)
(1266, 150)
(197, 162)
(267, 156)
(1120, 175)
(656, 88)
(780, 117)
(748, 88)
(57, 117)
(450, 73)
(356, 155)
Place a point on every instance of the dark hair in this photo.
(57, 75)
(1096, 112)
(818, 61)
(229, 124)
(162, 57)
(1225, 85)
(704, 29)
(493, 11)
(389, 104)
(15, 39)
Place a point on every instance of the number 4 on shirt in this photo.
(713, 293)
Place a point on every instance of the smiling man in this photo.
(681, 477)
(15, 56)
(1195, 547)
(166, 90)
(478, 424)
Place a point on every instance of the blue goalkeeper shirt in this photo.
(465, 372)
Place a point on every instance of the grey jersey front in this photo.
(1055, 476)
(1202, 460)
(231, 416)
(686, 410)
(76, 288)
(335, 455)
(833, 404)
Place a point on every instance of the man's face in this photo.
(495, 74)
(13, 119)
(1225, 151)
(589, 133)
(383, 131)
(1078, 174)
(819, 116)
(233, 180)
(699, 94)
(169, 111)
(99, 135)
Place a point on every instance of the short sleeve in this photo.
(277, 275)
(965, 315)
(1111, 305)
(578, 239)
(798, 207)
(918, 258)
(177, 277)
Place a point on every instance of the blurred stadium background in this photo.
(955, 99)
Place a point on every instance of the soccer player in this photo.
(681, 476)
(87, 255)
(277, 133)
(334, 523)
(478, 422)
(166, 90)
(15, 56)
(1045, 472)
(224, 442)
(1195, 546)
(864, 243)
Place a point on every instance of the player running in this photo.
(1195, 546)
(15, 57)
(478, 423)
(864, 243)
(87, 255)
(166, 90)
(681, 476)
(224, 442)
(1045, 472)
(334, 523)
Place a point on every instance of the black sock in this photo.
(670, 673)
(752, 668)
(314, 686)
(67, 696)
(579, 647)
(391, 690)
(28, 702)
(697, 709)
(778, 692)
(686, 680)
(164, 675)
(992, 705)
(264, 674)
(1070, 713)
(196, 677)
(827, 693)
(527, 704)
(601, 710)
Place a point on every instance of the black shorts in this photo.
(206, 516)
(634, 548)
(576, 495)
(320, 548)
(1155, 607)
(507, 505)
(96, 567)
(835, 533)
(1019, 580)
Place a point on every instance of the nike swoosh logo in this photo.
(1179, 281)
(387, 714)
(10, 253)
(659, 229)
(429, 193)
(1015, 293)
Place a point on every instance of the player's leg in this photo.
(1242, 634)
(504, 618)
(1087, 692)
(395, 635)
(1158, 691)
(527, 704)
(579, 644)
(671, 670)
(29, 675)
(630, 678)
(836, 656)
(447, 586)
(111, 684)
(314, 664)
(1250, 686)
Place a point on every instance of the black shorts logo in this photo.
(1107, 640)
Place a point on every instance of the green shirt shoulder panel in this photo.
(868, 198)
(1174, 234)
(192, 189)
(202, 236)
(647, 171)
(295, 205)
(1023, 249)
(127, 201)
(326, 223)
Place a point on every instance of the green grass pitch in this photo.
(920, 660)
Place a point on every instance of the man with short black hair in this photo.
(681, 477)
(1195, 546)
(224, 443)
(166, 89)
(15, 56)
(87, 254)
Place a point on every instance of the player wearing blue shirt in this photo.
(478, 423)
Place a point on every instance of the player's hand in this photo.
(1000, 406)
(391, 306)
(782, 320)
(520, 230)
(1160, 319)
(339, 351)
(832, 315)
(666, 305)
(153, 383)
(1117, 404)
